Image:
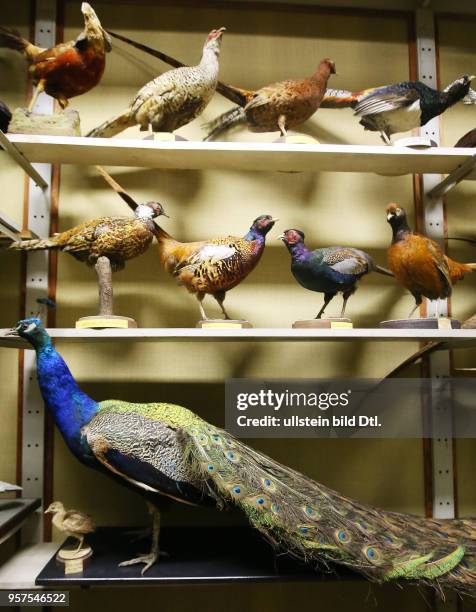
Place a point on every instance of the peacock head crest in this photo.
(32, 330)
(262, 224)
(213, 40)
(292, 236)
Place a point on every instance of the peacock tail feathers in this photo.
(317, 525)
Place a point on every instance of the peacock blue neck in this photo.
(71, 408)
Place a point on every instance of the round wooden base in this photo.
(74, 560)
(297, 139)
(421, 323)
(328, 323)
(165, 137)
(104, 322)
(415, 142)
(224, 324)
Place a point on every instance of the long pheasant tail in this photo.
(113, 126)
(317, 525)
(38, 244)
(382, 270)
(234, 116)
(11, 39)
(339, 98)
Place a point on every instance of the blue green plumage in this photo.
(161, 449)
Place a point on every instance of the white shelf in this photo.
(247, 156)
(456, 338)
(21, 570)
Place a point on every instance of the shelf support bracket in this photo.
(22, 161)
(453, 178)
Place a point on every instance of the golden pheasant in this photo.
(69, 69)
(214, 266)
(279, 106)
(174, 98)
(419, 263)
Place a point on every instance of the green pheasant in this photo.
(165, 450)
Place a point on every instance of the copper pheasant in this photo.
(174, 98)
(214, 266)
(69, 69)
(117, 238)
(283, 105)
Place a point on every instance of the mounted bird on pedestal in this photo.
(69, 69)
(398, 108)
(419, 263)
(173, 99)
(330, 270)
(166, 451)
(279, 106)
(105, 243)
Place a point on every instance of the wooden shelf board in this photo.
(240, 155)
(13, 513)
(456, 338)
(21, 570)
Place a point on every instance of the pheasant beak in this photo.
(390, 216)
(281, 237)
(274, 219)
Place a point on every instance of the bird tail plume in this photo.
(314, 523)
(10, 39)
(234, 116)
(382, 270)
(113, 126)
(38, 244)
(339, 98)
(458, 270)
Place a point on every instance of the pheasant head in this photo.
(93, 30)
(261, 226)
(150, 210)
(213, 41)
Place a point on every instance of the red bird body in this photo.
(69, 69)
(419, 263)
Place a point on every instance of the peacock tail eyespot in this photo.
(342, 536)
(306, 531)
(275, 508)
(203, 439)
(268, 484)
(217, 439)
(393, 541)
(259, 501)
(232, 456)
(236, 490)
(373, 554)
(310, 512)
(210, 468)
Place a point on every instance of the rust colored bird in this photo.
(279, 106)
(173, 99)
(214, 266)
(69, 69)
(419, 263)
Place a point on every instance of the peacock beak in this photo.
(12, 332)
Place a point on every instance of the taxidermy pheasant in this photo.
(468, 140)
(214, 266)
(279, 106)
(174, 98)
(419, 263)
(5, 117)
(398, 108)
(164, 450)
(69, 69)
(330, 270)
(72, 522)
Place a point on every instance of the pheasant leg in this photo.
(220, 298)
(39, 88)
(151, 557)
(385, 138)
(327, 298)
(200, 305)
(344, 304)
(104, 274)
(412, 311)
(282, 125)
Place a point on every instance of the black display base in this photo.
(421, 323)
(195, 555)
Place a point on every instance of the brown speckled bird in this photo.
(72, 522)
(117, 238)
(279, 106)
(69, 69)
(214, 266)
(174, 98)
(419, 263)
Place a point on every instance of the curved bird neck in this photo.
(400, 229)
(71, 408)
(253, 235)
(209, 62)
(299, 251)
(320, 76)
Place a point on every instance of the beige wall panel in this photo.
(457, 57)
(12, 92)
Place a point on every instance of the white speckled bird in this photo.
(174, 98)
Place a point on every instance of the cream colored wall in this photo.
(12, 92)
(457, 57)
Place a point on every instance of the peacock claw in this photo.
(149, 560)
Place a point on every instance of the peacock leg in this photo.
(282, 124)
(200, 297)
(346, 296)
(81, 540)
(149, 558)
(220, 296)
(327, 298)
(104, 274)
(39, 88)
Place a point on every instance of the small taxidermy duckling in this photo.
(72, 522)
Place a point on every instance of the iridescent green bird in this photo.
(166, 450)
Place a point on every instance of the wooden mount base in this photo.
(224, 324)
(105, 321)
(415, 142)
(63, 123)
(421, 323)
(74, 560)
(165, 137)
(297, 139)
(328, 323)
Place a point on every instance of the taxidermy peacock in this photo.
(166, 450)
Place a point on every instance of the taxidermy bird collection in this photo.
(161, 449)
